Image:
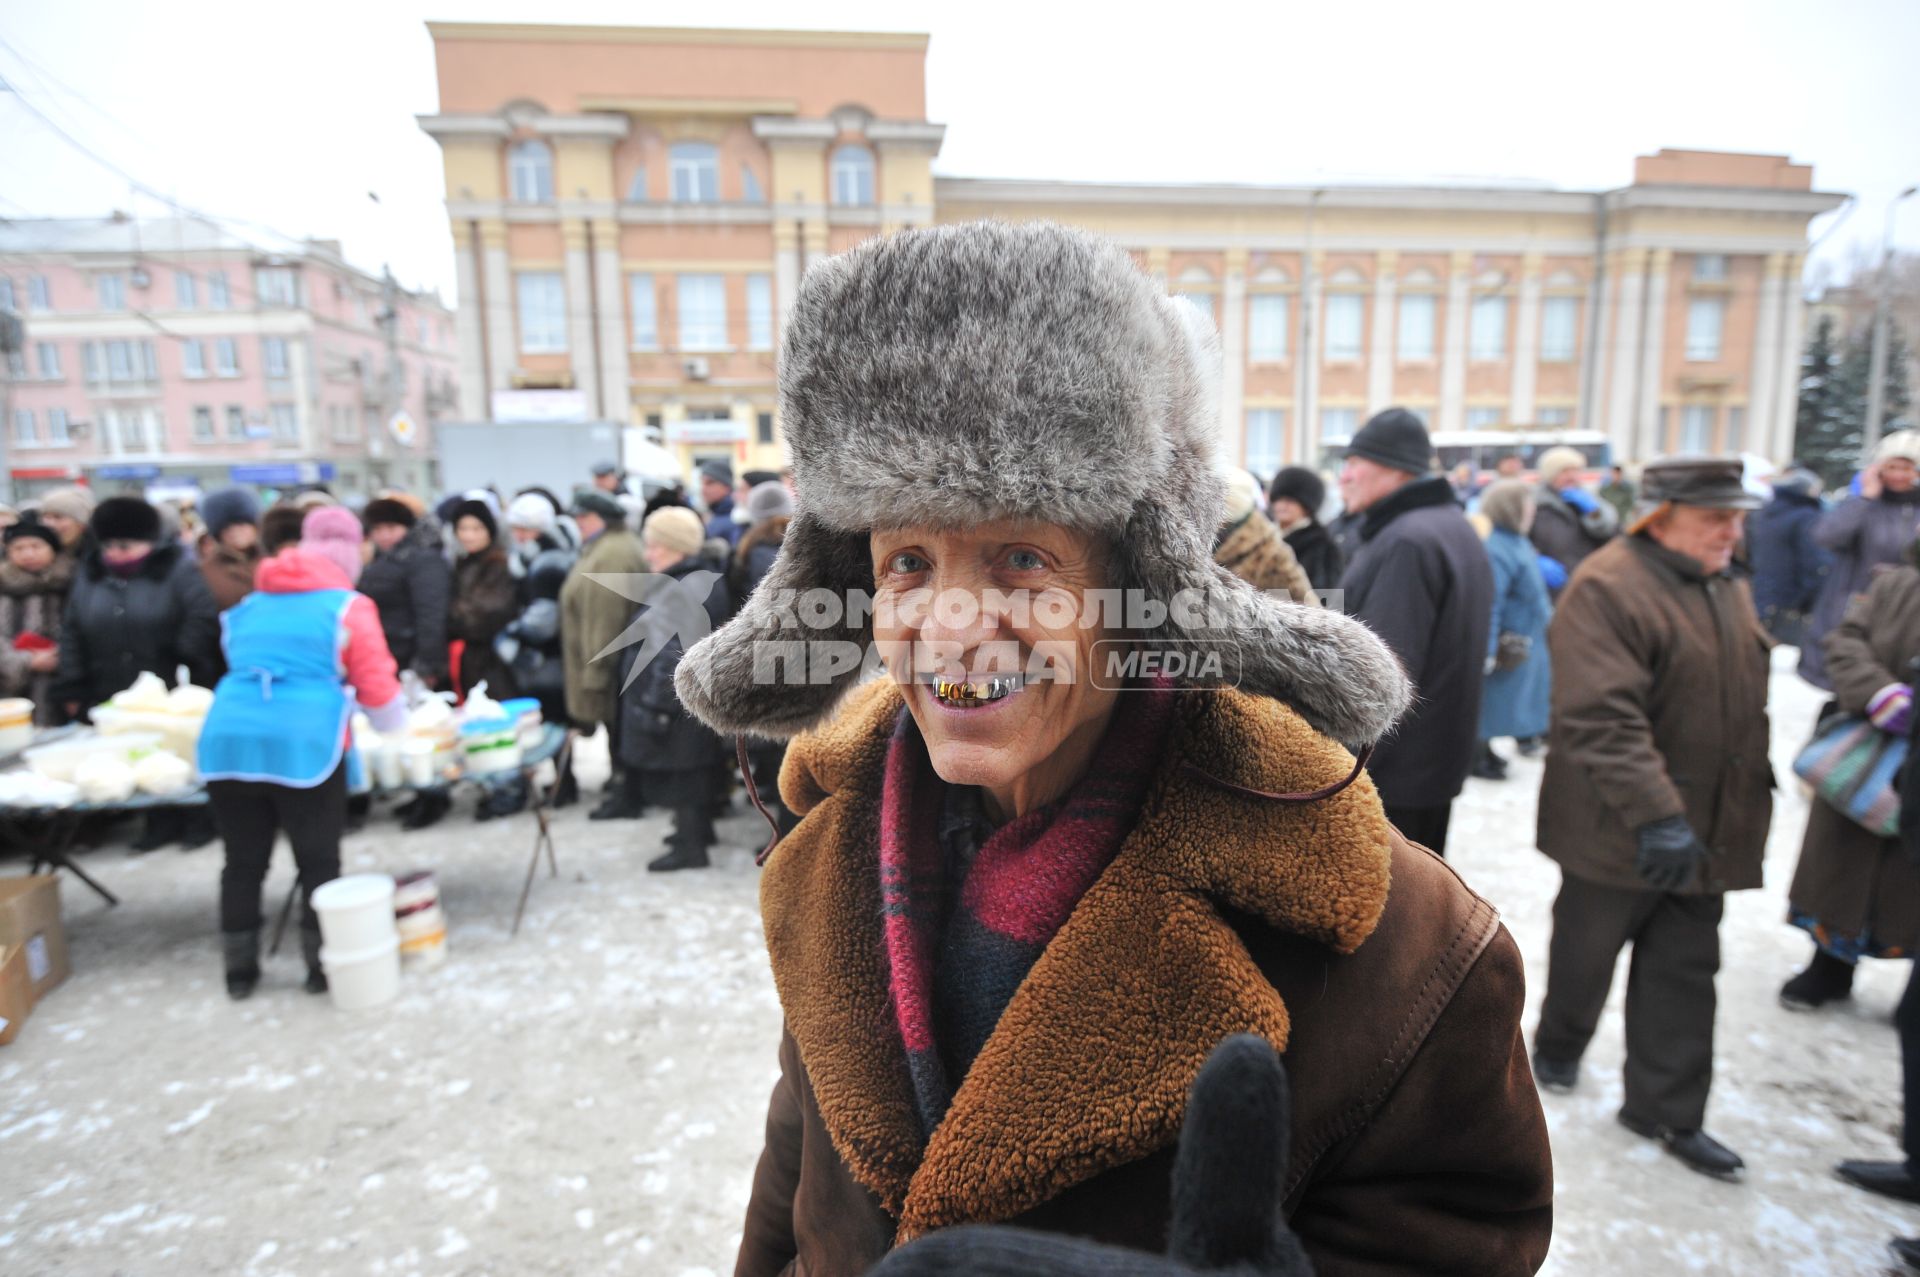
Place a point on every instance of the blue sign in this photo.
(126, 472)
(281, 473)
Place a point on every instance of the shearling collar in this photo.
(1090, 1064)
(17, 582)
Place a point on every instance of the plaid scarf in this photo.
(969, 909)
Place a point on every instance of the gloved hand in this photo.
(1580, 499)
(1891, 709)
(1227, 1181)
(1552, 571)
(1669, 853)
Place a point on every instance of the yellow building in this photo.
(632, 209)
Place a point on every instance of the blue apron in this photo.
(280, 714)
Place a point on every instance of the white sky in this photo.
(287, 117)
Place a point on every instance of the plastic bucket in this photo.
(356, 912)
(362, 978)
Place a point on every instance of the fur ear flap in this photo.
(771, 671)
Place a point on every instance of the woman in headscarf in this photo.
(1518, 696)
(1105, 810)
(1867, 530)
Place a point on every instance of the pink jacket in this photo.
(369, 666)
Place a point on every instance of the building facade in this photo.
(632, 209)
(168, 355)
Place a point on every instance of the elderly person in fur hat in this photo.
(1056, 854)
(66, 511)
(1865, 531)
(1249, 546)
(34, 579)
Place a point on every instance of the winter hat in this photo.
(224, 507)
(675, 528)
(474, 508)
(601, 469)
(313, 499)
(769, 499)
(534, 512)
(1299, 484)
(1555, 462)
(125, 519)
(594, 501)
(1243, 493)
(1396, 439)
(718, 471)
(72, 503)
(30, 528)
(388, 510)
(1505, 503)
(952, 375)
(1902, 445)
(754, 478)
(334, 534)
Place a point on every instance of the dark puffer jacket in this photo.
(117, 628)
(1788, 564)
(411, 585)
(529, 645)
(656, 731)
(1862, 534)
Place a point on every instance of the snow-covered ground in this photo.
(588, 1097)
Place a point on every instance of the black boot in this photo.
(1826, 979)
(623, 801)
(310, 950)
(161, 827)
(679, 858)
(1488, 765)
(1697, 1150)
(687, 844)
(196, 828)
(428, 806)
(242, 952)
(566, 790)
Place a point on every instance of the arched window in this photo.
(853, 176)
(695, 170)
(530, 172)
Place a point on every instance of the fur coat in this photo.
(1254, 551)
(32, 602)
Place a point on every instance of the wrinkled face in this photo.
(983, 627)
(118, 551)
(240, 536)
(1898, 474)
(1364, 482)
(1708, 537)
(30, 554)
(387, 535)
(471, 534)
(67, 528)
(590, 525)
(1287, 512)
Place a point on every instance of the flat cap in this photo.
(594, 501)
(1712, 483)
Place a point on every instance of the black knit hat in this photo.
(476, 509)
(124, 519)
(224, 507)
(1299, 484)
(26, 528)
(387, 510)
(1396, 439)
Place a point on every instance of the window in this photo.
(695, 170)
(853, 176)
(120, 361)
(273, 353)
(1488, 339)
(1696, 428)
(543, 312)
(637, 188)
(1265, 429)
(39, 293)
(6, 294)
(1202, 302)
(1267, 328)
(1706, 316)
(57, 427)
(641, 299)
(217, 295)
(276, 286)
(226, 356)
(530, 172)
(90, 360)
(193, 358)
(703, 312)
(1344, 324)
(759, 312)
(1562, 417)
(202, 424)
(286, 423)
(750, 186)
(47, 355)
(111, 290)
(149, 362)
(25, 432)
(763, 427)
(1559, 323)
(236, 422)
(1709, 268)
(186, 290)
(1338, 424)
(1485, 418)
(1416, 327)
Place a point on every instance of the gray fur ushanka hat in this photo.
(961, 374)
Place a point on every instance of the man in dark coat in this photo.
(1788, 564)
(1295, 497)
(1657, 795)
(1422, 582)
(1569, 523)
(716, 491)
(411, 583)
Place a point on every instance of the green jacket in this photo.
(592, 615)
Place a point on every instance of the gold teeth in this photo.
(990, 690)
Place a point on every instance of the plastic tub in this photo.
(524, 713)
(417, 760)
(356, 912)
(362, 978)
(58, 759)
(490, 745)
(16, 724)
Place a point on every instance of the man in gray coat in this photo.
(1421, 580)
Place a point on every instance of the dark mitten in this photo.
(1226, 1208)
(1669, 853)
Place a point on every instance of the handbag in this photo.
(1511, 650)
(1855, 767)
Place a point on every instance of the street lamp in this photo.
(1877, 365)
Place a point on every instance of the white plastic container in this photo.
(388, 767)
(57, 759)
(16, 725)
(356, 913)
(362, 978)
(417, 758)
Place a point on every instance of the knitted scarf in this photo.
(965, 921)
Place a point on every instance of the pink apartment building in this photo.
(172, 354)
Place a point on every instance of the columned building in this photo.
(632, 209)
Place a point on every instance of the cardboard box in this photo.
(16, 991)
(30, 918)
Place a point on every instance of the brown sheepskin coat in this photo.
(1418, 1140)
(1255, 552)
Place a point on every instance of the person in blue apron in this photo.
(302, 652)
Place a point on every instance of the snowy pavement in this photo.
(588, 1097)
